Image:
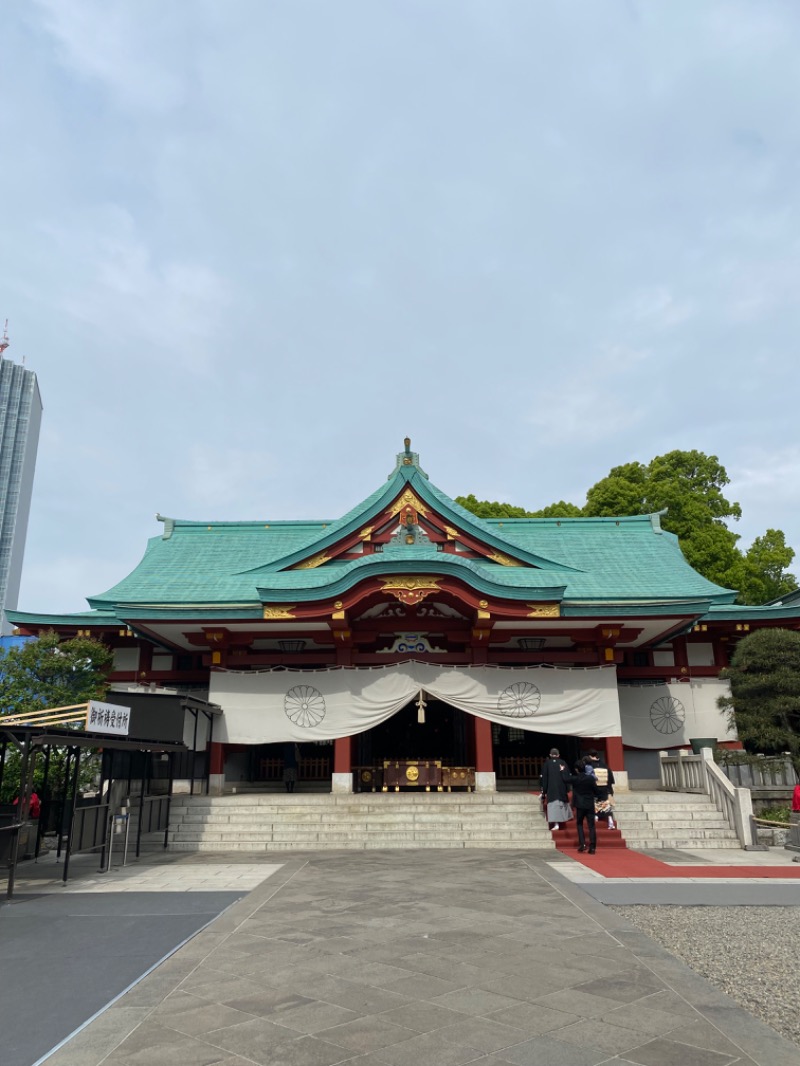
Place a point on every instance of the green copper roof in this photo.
(584, 563)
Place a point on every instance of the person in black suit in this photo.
(584, 793)
(605, 782)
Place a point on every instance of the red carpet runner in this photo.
(614, 859)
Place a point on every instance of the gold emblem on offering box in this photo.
(412, 773)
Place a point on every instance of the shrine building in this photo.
(410, 644)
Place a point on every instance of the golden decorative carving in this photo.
(314, 561)
(504, 560)
(453, 534)
(483, 603)
(338, 604)
(412, 773)
(366, 532)
(273, 613)
(338, 616)
(410, 581)
(484, 614)
(544, 610)
(408, 499)
(410, 588)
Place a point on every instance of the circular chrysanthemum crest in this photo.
(520, 700)
(667, 714)
(304, 705)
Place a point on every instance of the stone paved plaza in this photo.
(436, 957)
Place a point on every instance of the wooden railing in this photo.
(316, 769)
(519, 767)
(683, 772)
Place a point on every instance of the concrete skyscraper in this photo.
(20, 419)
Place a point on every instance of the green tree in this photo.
(764, 569)
(764, 704)
(562, 509)
(45, 673)
(51, 673)
(491, 508)
(689, 486)
(622, 491)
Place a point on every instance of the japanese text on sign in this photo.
(108, 718)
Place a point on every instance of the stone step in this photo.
(372, 844)
(696, 819)
(311, 838)
(680, 844)
(260, 823)
(664, 808)
(468, 820)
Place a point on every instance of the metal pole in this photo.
(169, 796)
(103, 765)
(22, 802)
(72, 812)
(127, 831)
(194, 751)
(208, 753)
(145, 777)
(12, 869)
(44, 802)
(3, 750)
(63, 811)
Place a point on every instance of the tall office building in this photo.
(20, 419)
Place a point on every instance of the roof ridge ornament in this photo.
(407, 458)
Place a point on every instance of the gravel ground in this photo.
(750, 953)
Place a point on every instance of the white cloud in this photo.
(218, 477)
(123, 47)
(133, 298)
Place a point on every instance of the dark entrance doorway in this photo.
(519, 755)
(444, 735)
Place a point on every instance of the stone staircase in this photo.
(265, 822)
(258, 822)
(650, 820)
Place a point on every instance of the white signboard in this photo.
(108, 718)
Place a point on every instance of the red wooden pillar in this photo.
(484, 757)
(615, 758)
(216, 768)
(343, 755)
(216, 758)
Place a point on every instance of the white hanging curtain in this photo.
(280, 705)
(669, 716)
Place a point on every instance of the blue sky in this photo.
(248, 246)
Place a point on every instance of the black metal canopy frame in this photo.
(86, 836)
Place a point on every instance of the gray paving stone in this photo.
(430, 957)
(547, 1051)
(421, 1017)
(474, 1001)
(314, 1016)
(625, 987)
(202, 1019)
(646, 1020)
(422, 986)
(663, 1052)
(612, 1039)
(583, 1004)
(367, 1034)
(429, 1048)
(486, 1034)
(533, 1018)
